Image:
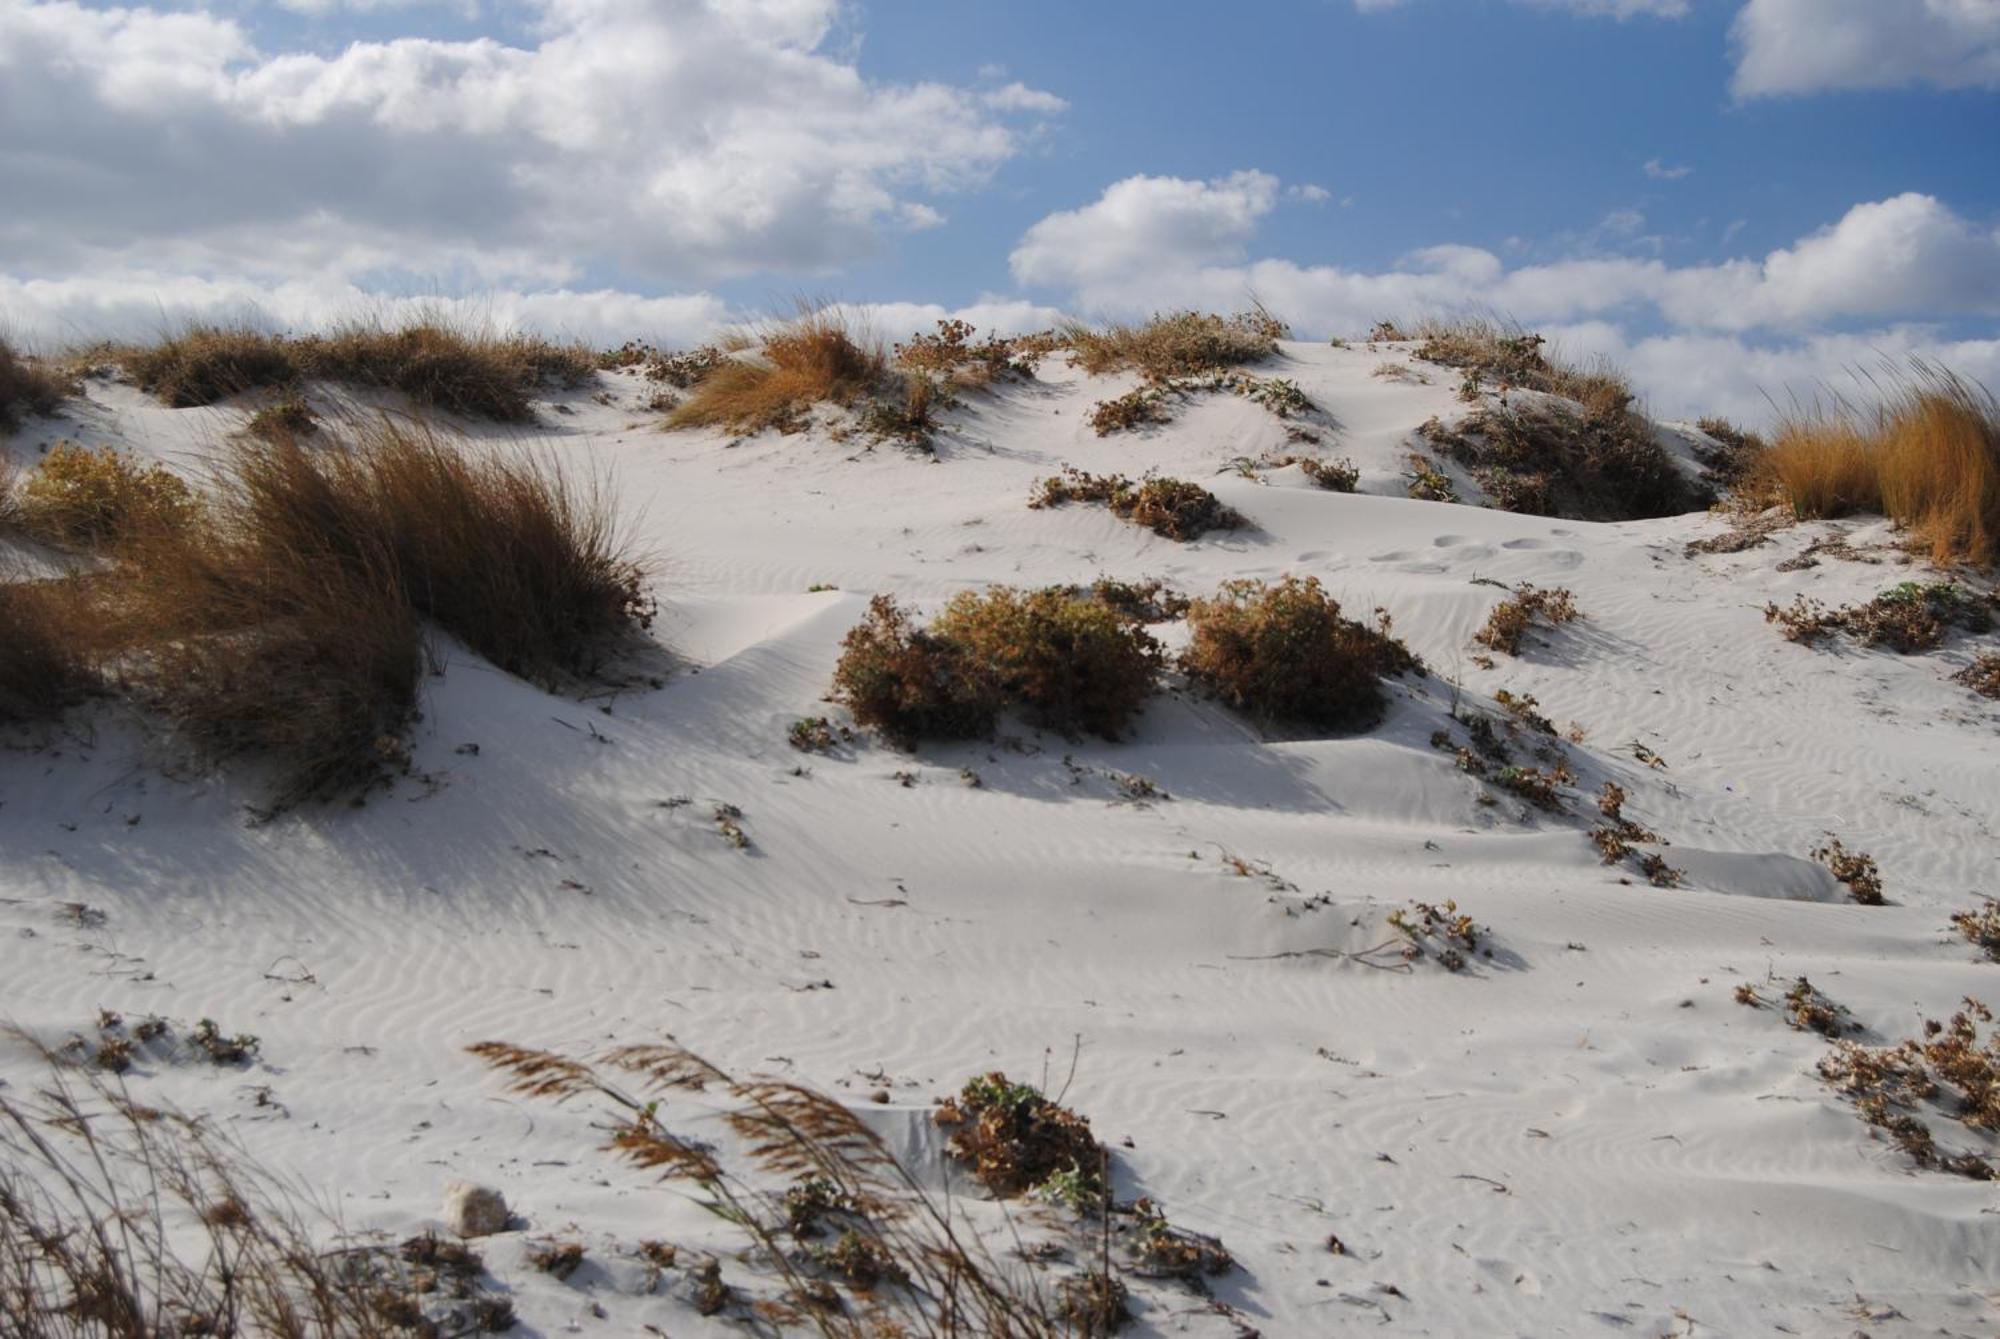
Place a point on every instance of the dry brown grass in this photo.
(1285, 653)
(477, 373)
(1177, 344)
(1927, 456)
(45, 665)
(28, 386)
(816, 357)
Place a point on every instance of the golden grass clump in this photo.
(27, 386)
(1927, 456)
(1284, 653)
(813, 358)
(206, 363)
(1178, 344)
(77, 497)
(504, 551)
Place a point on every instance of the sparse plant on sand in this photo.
(1805, 1007)
(1981, 927)
(1951, 1072)
(1284, 653)
(1908, 618)
(1427, 483)
(1171, 508)
(1507, 625)
(1982, 676)
(1856, 869)
(1017, 1141)
(1441, 932)
(28, 386)
(1135, 408)
(1178, 344)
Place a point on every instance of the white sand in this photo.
(1670, 1162)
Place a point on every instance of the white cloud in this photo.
(674, 140)
(1809, 46)
(1144, 224)
(1659, 171)
(1617, 9)
(1156, 242)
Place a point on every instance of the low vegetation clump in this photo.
(1073, 665)
(1528, 606)
(1135, 408)
(1927, 457)
(286, 418)
(1513, 358)
(1142, 601)
(44, 665)
(1981, 927)
(440, 366)
(950, 352)
(1017, 1141)
(1178, 344)
(814, 358)
(1336, 476)
(1427, 483)
(1731, 454)
(1982, 676)
(1284, 653)
(1856, 869)
(1911, 617)
(78, 497)
(1444, 933)
(1072, 662)
(1172, 508)
(1594, 462)
(27, 386)
(1952, 1072)
(1805, 1008)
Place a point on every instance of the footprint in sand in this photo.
(1525, 544)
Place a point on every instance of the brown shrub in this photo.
(1284, 653)
(1949, 1071)
(950, 352)
(811, 359)
(289, 417)
(1734, 455)
(1135, 408)
(1593, 462)
(1513, 616)
(1907, 618)
(1178, 344)
(1982, 676)
(76, 497)
(1074, 664)
(1513, 357)
(1172, 508)
(1981, 927)
(1017, 1140)
(1336, 476)
(1427, 483)
(1856, 869)
(911, 684)
(1928, 457)
(44, 664)
(28, 386)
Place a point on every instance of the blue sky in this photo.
(1730, 195)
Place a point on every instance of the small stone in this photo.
(880, 1096)
(473, 1210)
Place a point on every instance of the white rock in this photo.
(473, 1210)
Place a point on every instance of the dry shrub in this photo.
(1587, 462)
(814, 358)
(1982, 676)
(911, 684)
(76, 497)
(1178, 344)
(1952, 1072)
(1510, 620)
(950, 352)
(203, 364)
(1073, 664)
(1018, 1141)
(1427, 483)
(27, 386)
(1513, 357)
(1732, 453)
(1856, 869)
(1981, 927)
(44, 664)
(1172, 508)
(1336, 476)
(507, 552)
(289, 417)
(1135, 408)
(1928, 457)
(1907, 618)
(1284, 652)
(121, 1221)
(1444, 933)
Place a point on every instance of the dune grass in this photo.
(1177, 344)
(438, 365)
(44, 665)
(816, 357)
(1927, 456)
(1512, 356)
(27, 386)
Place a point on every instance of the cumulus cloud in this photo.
(1810, 46)
(674, 140)
(1152, 242)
